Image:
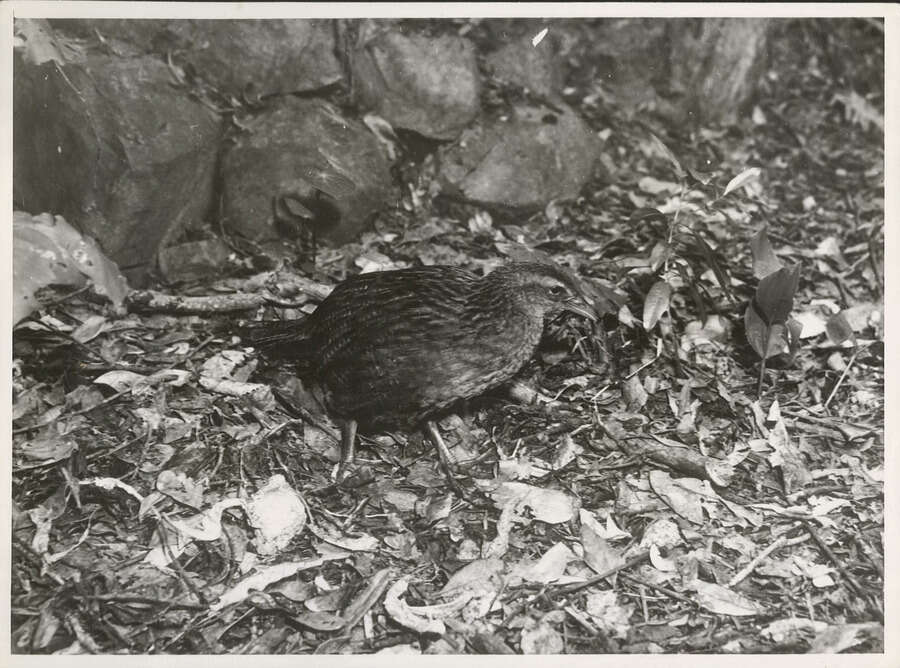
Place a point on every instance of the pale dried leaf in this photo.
(745, 178)
(724, 601)
(277, 513)
(262, 579)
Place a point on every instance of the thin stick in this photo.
(746, 570)
(848, 578)
(662, 590)
(762, 376)
(841, 379)
(577, 586)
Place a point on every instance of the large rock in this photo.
(193, 260)
(331, 167)
(536, 67)
(274, 55)
(112, 146)
(426, 84)
(523, 162)
(122, 37)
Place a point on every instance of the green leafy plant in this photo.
(767, 322)
(769, 328)
(676, 259)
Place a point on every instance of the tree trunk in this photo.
(717, 63)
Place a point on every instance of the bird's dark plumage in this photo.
(396, 348)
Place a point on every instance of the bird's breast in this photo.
(404, 373)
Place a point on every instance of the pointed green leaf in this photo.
(646, 213)
(666, 152)
(775, 294)
(838, 329)
(765, 261)
(744, 178)
(794, 330)
(767, 340)
(757, 331)
(710, 255)
(656, 303)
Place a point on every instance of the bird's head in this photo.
(546, 289)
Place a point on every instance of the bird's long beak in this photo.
(581, 306)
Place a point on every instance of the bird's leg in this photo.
(348, 449)
(523, 393)
(447, 460)
(432, 432)
(447, 463)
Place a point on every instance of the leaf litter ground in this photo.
(639, 497)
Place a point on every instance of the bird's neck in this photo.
(499, 302)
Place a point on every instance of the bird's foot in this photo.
(449, 464)
(528, 395)
(349, 476)
(343, 472)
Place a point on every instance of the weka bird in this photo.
(399, 348)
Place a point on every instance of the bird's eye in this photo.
(557, 290)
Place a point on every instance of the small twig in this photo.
(746, 570)
(107, 453)
(646, 364)
(829, 421)
(848, 578)
(158, 302)
(185, 580)
(39, 465)
(794, 497)
(191, 353)
(867, 550)
(65, 298)
(190, 626)
(655, 587)
(309, 418)
(512, 612)
(578, 586)
(101, 367)
(290, 423)
(627, 463)
(582, 621)
(124, 598)
(762, 374)
(841, 379)
(351, 517)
